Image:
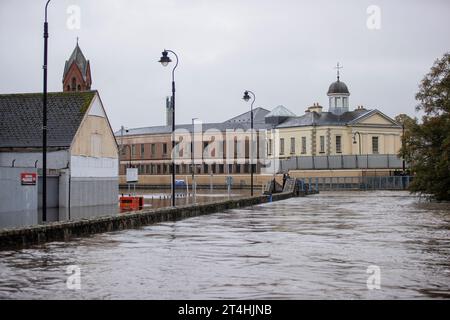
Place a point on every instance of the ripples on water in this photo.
(318, 247)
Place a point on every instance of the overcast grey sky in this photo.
(284, 51)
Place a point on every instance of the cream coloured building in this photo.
(335, 131)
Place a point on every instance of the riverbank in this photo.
(65, 231)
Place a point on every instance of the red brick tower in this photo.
(77, 72)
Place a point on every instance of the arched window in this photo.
(74, 84)
(68, 88)
(79, 88)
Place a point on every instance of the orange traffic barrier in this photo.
(131, 203)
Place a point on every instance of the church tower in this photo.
(77, 72)
(338, 95)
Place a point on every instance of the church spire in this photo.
(77, 72)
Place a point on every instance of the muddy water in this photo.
(318, 247)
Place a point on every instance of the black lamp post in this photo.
(359, 138)
(194, 191)
(247, 98)
(165, 60)
(44, 122)
(403, 148)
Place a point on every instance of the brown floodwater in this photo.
(316, 247)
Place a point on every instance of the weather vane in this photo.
(338, 67)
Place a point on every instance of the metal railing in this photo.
(368, 161)
(357, 183)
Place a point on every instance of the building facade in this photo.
(82, 157)
(280, 135)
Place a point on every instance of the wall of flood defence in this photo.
(64, 231)
(14, 196)
(85, 191)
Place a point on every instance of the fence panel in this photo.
(371, 161)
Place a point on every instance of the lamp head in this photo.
(165, 60)
(246, 96)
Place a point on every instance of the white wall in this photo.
(88, 167)
(55, 160)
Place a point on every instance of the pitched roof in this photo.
(324, 118)
(78, 57)
(221, 126)
(258, 116)
(21, 120)
(280, 111)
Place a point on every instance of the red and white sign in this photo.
(28, 179)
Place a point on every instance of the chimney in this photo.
(315, 108)
(169, 111)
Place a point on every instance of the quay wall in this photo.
(64, 231)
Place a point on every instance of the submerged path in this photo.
(314, 247)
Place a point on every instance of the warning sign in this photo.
(28, 179)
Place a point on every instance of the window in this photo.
(164, 148)
(303, 145)
(147, 169)
(338, 144)
(79, 88)
(74, 84)
(269, 147)
(322, 144)
(133, 150)
(345, 102)
(142, 150)
(338, 102)
(281, 145)
(96, 145)
(153, 149)
(292, 145)
(375, 145)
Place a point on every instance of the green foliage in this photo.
(427, 145)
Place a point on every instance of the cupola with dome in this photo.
(338, 95)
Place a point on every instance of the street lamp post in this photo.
(359, 139)
(165, 60)
(194, 186)
(44, 122)
(247, 98)
(403, 148)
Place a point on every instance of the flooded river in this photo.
(318, 247)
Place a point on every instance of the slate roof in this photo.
(78, 57)
(325, 118)
(258, 116)
(21, 118)
(241, 121)
(280, 111)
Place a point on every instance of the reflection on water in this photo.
(152, 199)
(314, 247)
